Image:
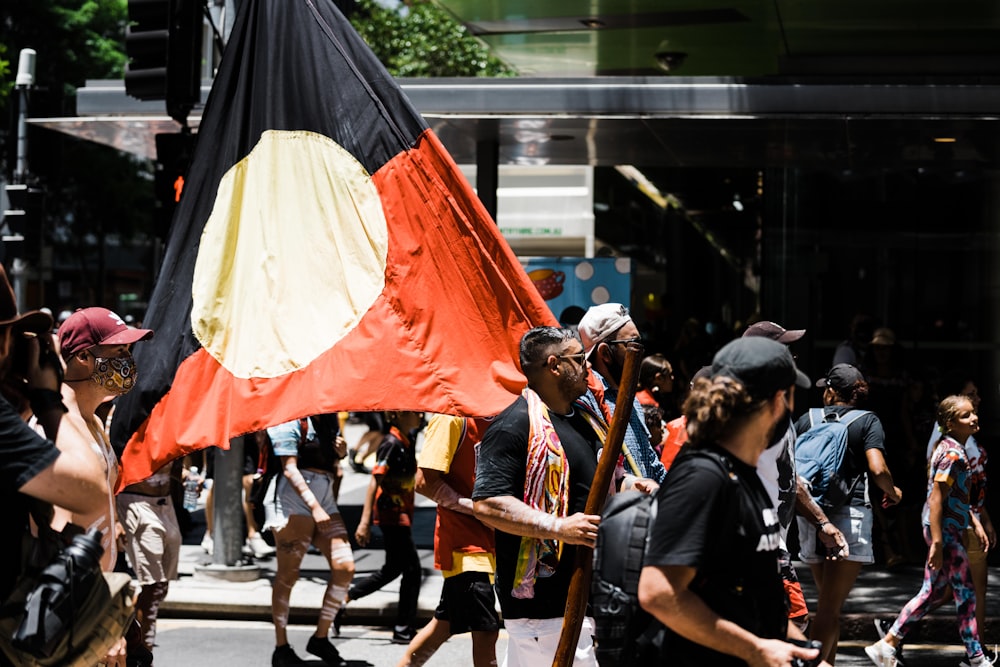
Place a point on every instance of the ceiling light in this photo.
(945, 140)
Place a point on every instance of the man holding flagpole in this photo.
(534, 470)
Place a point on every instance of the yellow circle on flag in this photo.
(292, 256)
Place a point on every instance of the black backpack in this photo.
(625, 634)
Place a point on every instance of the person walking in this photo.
(533, 472)
(711, 572)
(605, 332)
(389, 505)
(946, 517)
(787, 491)
(843, 388)
(463, 546)
(301, 511)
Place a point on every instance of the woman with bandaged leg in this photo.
(301, 510)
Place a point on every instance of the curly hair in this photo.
(856, 394)
(717, 408)
(948, 409)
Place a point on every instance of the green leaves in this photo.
(419, 39)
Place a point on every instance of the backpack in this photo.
(819, 456)
(58, 614)
(624, 633)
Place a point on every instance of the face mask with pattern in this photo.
(115, 375)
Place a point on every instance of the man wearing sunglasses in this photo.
(605, 331)
(534, 468)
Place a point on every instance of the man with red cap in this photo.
(94, 342)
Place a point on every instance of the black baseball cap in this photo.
(841, 377)
(774, 331)
(763, 366)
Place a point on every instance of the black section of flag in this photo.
(289, 65)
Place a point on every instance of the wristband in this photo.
(824, 522)
(42, 400)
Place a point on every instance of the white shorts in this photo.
(856, 525)
(533, 642)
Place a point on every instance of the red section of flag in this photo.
(443, 336)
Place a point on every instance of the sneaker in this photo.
(985, 660)
(284, 656)
(325, 651)
(881, 654)
(259, 547)
(338, 620)
(882, 627)
(404, 635)
(207, 544)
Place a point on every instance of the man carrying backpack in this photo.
(711, 571)
(788, 492)
(836, 452)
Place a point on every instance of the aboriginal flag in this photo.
(326, 255)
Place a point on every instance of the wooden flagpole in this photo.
(579, 585)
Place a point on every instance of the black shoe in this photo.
(404, 636)
(284, 656)
(338, 620)
(139, 656)
(882, 627)
(325, 651)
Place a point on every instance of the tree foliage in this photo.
(419, 39)
(75, 40)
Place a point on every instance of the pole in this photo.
(579, 583)
(23, 82)
(227, 529)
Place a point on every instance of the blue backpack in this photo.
(819, 456)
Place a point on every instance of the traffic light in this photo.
(173, 155)
(22, 222)
(163, 43)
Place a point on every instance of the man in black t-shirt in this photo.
(712, 571)
(31, 466)
(534, 522)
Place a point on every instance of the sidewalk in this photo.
(196, 597)
(877, 593)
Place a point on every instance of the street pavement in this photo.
(878, 593)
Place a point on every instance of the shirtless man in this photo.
(94, 343)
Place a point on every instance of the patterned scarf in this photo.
(546, 488)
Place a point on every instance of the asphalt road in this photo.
(195, 643)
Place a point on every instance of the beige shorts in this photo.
(152, 536)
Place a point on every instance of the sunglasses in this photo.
(579, 359)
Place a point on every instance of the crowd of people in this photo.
(716, 444)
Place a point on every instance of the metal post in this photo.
(227, 530)
(23, 83)
(227, 533)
